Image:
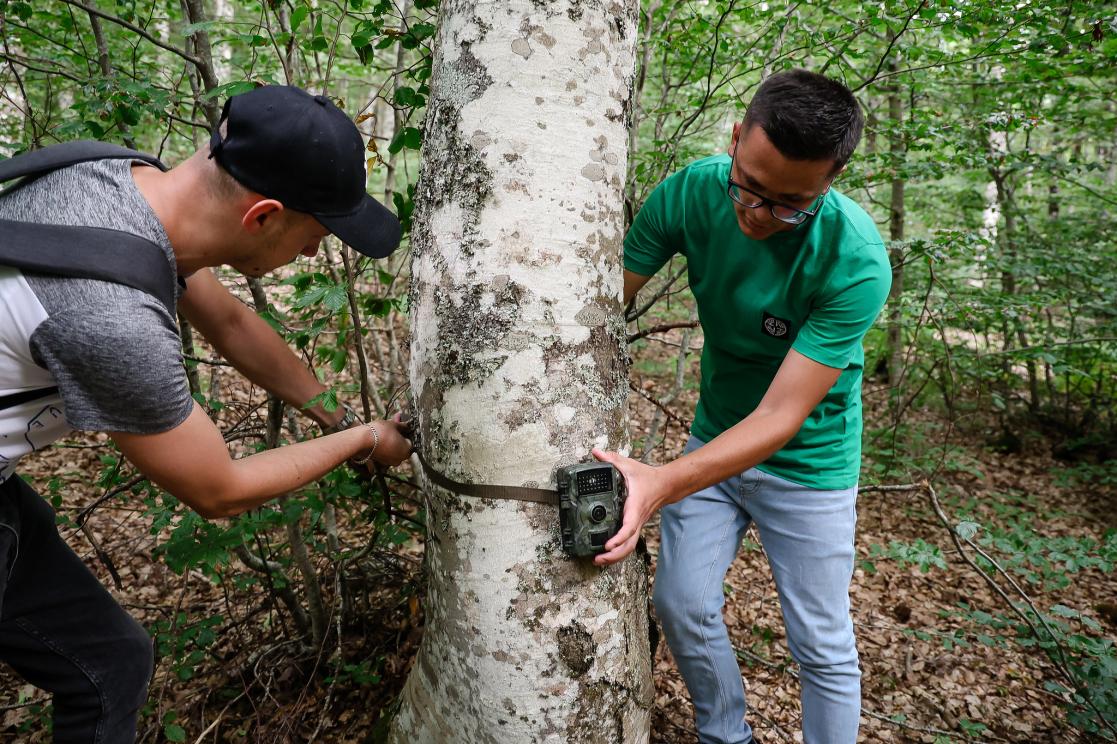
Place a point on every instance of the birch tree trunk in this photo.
(517, 367)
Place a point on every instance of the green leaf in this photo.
(336, 297)
(967, 530)
(328, 400)
(228, 90)
(174, 732)
(1064, 611)
(22, 11)
(338, 359)
(405, 96)
(412, 138)
(397, 143)
(298, 16)
(192, 28)
(422, 30)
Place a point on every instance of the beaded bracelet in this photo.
(375, 443)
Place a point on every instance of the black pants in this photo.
(62, 631)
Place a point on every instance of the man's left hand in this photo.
(646, 494)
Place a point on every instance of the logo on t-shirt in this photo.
(775, 327)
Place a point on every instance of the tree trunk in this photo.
(196, 13)
(517, 366)
(897, 148)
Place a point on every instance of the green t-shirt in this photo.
(816, 289)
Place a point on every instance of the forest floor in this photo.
(927, 675)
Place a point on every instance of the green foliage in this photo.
(360, 674)
(173, 731)
(1072, 641)
(1075, 642)
(917, 553)
(183, 643)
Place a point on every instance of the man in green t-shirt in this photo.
(788, 275)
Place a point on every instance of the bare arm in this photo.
(799, 386)
(633, 282)
(192, 462)
(251, 345)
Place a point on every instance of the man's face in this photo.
(285, 236)
(758, 165)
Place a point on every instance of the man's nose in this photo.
(760, 213)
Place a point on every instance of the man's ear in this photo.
(259, 213)
(733, 140)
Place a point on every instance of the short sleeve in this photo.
(651, 241)
(118, 368)
(847, 308)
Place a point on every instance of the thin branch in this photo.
(659, 293)
(134, 29)
(669, 414)
(1049, 344)
(660, 328)
(891, 43)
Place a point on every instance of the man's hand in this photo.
(646, 494)
(394, 445)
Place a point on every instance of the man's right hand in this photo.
(394, 445)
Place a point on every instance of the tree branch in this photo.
(134, 29)
(891, 43)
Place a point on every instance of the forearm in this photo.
(752, 441)
(261, 355)
(192, 463)
(256, 479)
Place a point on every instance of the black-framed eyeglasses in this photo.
(749, 199)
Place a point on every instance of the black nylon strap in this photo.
(84, 252)
(15, 399)
(63, 155)
(485, 491)
(89, 253)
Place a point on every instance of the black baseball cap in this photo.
(303, 151)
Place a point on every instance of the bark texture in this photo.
(518, 366)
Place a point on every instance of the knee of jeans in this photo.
(134, 662)
(668, 606)
(826, 659)
(680, 613)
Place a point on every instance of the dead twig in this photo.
(661, 328)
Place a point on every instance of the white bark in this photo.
(518, 366)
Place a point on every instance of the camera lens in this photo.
(598, 513)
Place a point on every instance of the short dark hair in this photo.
(807, 116)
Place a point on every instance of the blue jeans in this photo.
(808, 537)
(62, 631)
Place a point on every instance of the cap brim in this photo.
(372, 230)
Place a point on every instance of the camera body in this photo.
(591, 499)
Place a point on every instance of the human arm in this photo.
(799, 385)
(192, 462)
(633, 283)
(251, 345)
(830, 340)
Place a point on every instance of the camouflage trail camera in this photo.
(591, 500)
